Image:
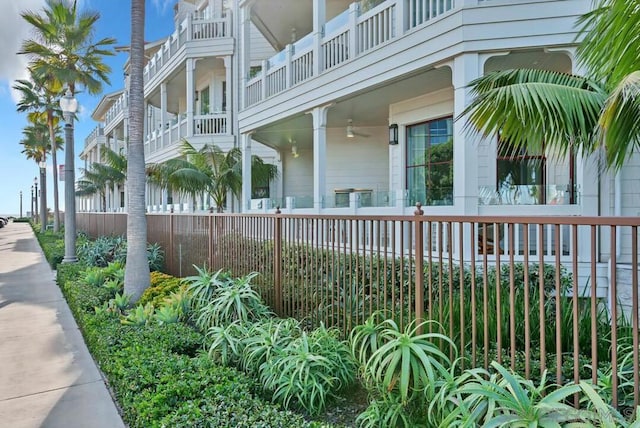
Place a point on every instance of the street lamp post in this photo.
(69, 105)
(43, 196)
(35, 199)
(21, 204)
(32, 212)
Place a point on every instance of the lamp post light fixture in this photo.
(35, 197)
(69, 106)
(43, 196)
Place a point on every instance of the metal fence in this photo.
(534, 293)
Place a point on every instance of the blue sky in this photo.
(16, 173)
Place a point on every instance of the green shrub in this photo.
(52, 244)
(160, 288)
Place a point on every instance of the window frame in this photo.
(427, 165)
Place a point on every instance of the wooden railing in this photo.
(538, 301)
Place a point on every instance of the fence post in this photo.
(210, 233)
(277, 262)
(171, 252)
(419, 255)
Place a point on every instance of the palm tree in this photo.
(100, 175)
(211, 171)
(568, 112)
(137, 277)
(39, 97)
(63, 51)
(36, 147)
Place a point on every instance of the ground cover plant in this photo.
(411, 378)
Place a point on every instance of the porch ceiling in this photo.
(276, 19)
(365, 109)
(177, 83)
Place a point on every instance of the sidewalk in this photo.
(47, 376)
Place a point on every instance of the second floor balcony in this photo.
(197, 29)
(350, 34)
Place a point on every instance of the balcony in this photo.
(176, 129)
(98, 131)
(196, 26)
(114, 112)
(351, 34)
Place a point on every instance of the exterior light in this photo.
(69, 106)
(393, 134)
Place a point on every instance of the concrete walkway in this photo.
(47, 376)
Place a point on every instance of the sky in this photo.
(16, 172)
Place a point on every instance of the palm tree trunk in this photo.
(54, 162)
(136, 278)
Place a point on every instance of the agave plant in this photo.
(121, 301)
(205, 285)
(264, 339)
(385, 412)
(508, 400)
(155, 255)
(365, 338)
(167, 314)
(407, 361)
(226, 342)
(95, 277)
(181, 301)
(237, 301)
(140, 316)
(309, 371)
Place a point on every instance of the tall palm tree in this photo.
(102, 175)
(601, 110)
(211, 171)
(36, 146)
(63, 50)
(136, 278)
(39, 97)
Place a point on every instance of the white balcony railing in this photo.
(347, 36)
(211, 124)
(196, 26)
(117, 108)
(98, 131)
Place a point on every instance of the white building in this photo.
(356, 104)
(323, 82)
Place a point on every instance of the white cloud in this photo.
(13, 30)
(163, 5)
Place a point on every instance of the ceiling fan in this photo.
(352, 133)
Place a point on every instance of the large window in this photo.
(430, 162)
(520, 174)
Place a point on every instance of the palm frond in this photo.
(536, 109)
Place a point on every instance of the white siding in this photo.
(260, 47)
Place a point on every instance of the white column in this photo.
(163, 113)
(319, 155)
(191, 71)
(245, 50)
(246, 172)
(319, 18)
(229, 98)
(466, 67)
